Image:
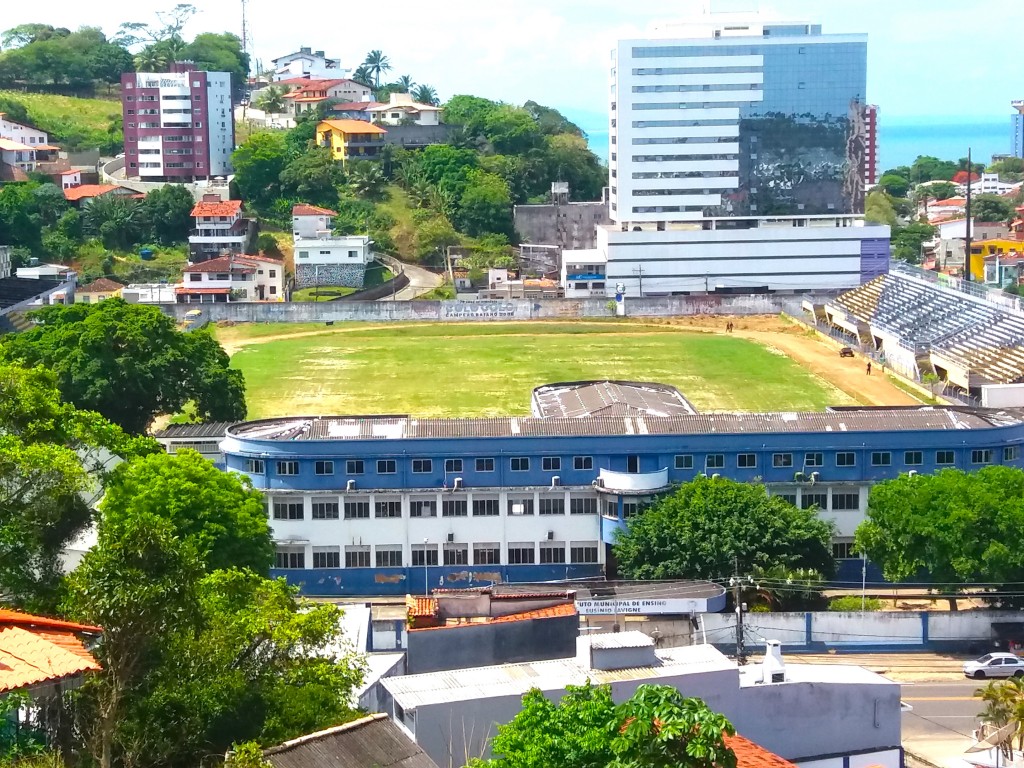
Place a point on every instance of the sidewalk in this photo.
(912, 667)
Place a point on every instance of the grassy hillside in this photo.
(75, 124)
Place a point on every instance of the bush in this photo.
(852, 603)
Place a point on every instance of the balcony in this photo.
(632, 483)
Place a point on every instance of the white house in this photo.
(307, 63)
(64, 294)
(21, 133)
(583, 273)
(401, 106)
(18, 156)
(69, 179)
(989, 184)
(307, 95)
(232, 278)
(149, 293)
(310, 221)
(332, 260)
(219, 228)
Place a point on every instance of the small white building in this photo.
(399, 107)
(310, 222)
(583, 273)
(17, 155)
(67, 277)
(307, 63)
(69, 179)
(989, 184)
(5, 261)
(149, 293)
(332, 260)
(21, 133)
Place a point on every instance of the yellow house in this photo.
(984, 249)
(350, 139)
(97, 291)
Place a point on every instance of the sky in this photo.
(556, 51)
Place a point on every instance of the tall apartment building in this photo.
(739, 152)
(178, 125)
(1017, 125)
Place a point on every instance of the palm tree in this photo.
(425, 94)
(363, 76)
(366, 179)
(271, 100)
(112, 218)
(1004, 705)
(378, 64)
(405, 83)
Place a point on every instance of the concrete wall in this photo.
(941, 630)
(108, 176)
(571, 225)
(483, 645)
(517, 309)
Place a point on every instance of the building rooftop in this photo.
(907, 419)
(217, 208)
(220, 264)
(187, 431)
(352, 126)
(577, 399)
(83, 191)
(751, 755)
(15, 290)
(311, 210)
(100, 285)
(38, 649)
(10, 145)
(369, 742)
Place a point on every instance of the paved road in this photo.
(944, 714)
(420, 281)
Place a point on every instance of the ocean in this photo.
(900, 142)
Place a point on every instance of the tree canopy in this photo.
(130, 363)
(991, 208)
(711, 527)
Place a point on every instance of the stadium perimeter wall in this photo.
(515, 309)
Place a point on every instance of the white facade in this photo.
(401, 106)
(350, 249)
(584, 273)
(21, 133)
(249, 278)
(17, 155)
(149, 293)
(307, 63)
(220, 120)
(5, 261)
(989, 184)
(70, 179)
(311, 226)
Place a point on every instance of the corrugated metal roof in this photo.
(371, 742)
(611, 640)
(578, 399)
(182, 431)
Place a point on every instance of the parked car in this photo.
(846, 352)
(995, 665)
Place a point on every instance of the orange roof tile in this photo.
(100, 285)
(83, 191)
(11, 618)
(421, 606)
(751, 755)
(220, 264)
(219, 208)
(352, 126)
(27, 659)
(311, 210)
(552, 612)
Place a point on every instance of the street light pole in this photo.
(426, 587)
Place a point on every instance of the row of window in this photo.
(420, 466)
(847, 459)
(391, 556)
(359, 509)
(848, 501)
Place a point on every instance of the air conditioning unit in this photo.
(451, 538)
(457, 484)
(551, 535)
(350, 485)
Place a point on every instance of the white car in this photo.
(995, 665)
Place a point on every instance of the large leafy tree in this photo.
(167, 214)
(953, 527)
(485, 206)
(656, 727)
(258, 164)
(313, 177)
(115, 219)
(991, 208)
(130, 363)
(711, 527)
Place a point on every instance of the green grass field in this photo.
(490, 369)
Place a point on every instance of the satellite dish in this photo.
(995, 739)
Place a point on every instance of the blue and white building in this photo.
(394, 504)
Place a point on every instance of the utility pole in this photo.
(967, 215)
(639, 272)
(735, 582)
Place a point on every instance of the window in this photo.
(582, 462)
(388, 509)
(746, 460)
(520, 464)
(327, 557)
(389, 557)
(789, 498)
(585, 506)
(486, 554)
(486, 507)
(453, 508)
(485, 465)
(782, 460)
(715, 461)
(325, 510)
(845, 502)
(630, 508)
(633, 464)
(423, 508)
(456, 554)
(288, 510)
(583, 552)
(285, 468)
(521, 554)
(1011, 453)
(303, 254)
(255, 466)
(387, 466)
(843, 550)
(684, 462)
(551, 464)
(273, 288)
(981, 456)
(290, 557)
(846, 459)
(453, 465)
(945, 458)
(422, 466)
(552, 552)
(913, 458)
(354, 467)
(325, 467)
(819, 500)
(881, 458)
(552, 505)
(357, 557)
(424, 554)
(520, 505)
(357, 510)
(273, 273)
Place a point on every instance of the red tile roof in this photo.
(352, 126)
(10, 618)
(220, 264)
(83, 191)
(219, 208)
(352, 106)
(421, 606)
(552, 612)
(311, 210)
(100, 285)
(38, 649)
(751, 755)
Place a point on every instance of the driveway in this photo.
(938, 728)
(420, 281)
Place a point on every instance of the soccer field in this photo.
(476, 369)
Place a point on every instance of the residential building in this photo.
(945, 252)
(5, 261)
(561, 222)
(220, 229)
(306, 63)
(332, 260)
(98, 290)
(370, 742)
(76, 195)
(989, 184)
(19, 159)
(400, 108)
(352, 110)
(43, 657)
(1017, 128)
(61, 282)
(738, 158)
(350, 139)
(583, 273)
(307, 95)
(23, 134)
(310, 222)
(811, 714)
(232, 278)
(178, 125)
(149, 293)
(68, 179)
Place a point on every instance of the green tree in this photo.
(894, 185)
(552, 122)
(20, 220)
(713, 526)
(570, 159)
(258, 164)
(1009, 169)
(167, 212)
(512, 130)
(425, 94)
(927, 168)
(991, 208)
(363, 75)
(471, 112)
(313, 176)
(130, 363)
(377, 64)
(115, 219)
(938, 190)
(878, 208)
(271, 100)
(485, 206)
(433, 237)
(953, 527)
(366, 180)
(220, 53)
(907, 240)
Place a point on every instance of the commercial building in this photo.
(739, 152)
(178, 125)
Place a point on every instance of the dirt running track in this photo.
(797, 342)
